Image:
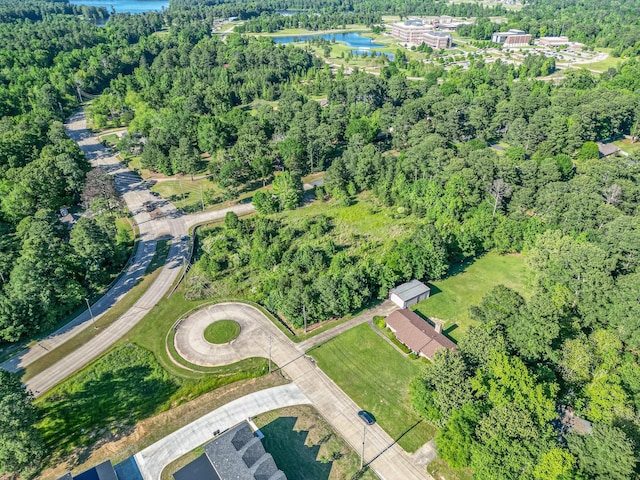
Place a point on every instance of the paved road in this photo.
(164, 222)
(153, 459)
(258, 332)
(134, 195)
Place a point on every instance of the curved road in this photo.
(384, 455)
(163, 222)
(152, 460)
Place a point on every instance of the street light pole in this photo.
(91, 313)
(270, 338)
(364, 436)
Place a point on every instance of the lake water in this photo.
(352, 39)
(369, 53)
(361, 45)
(127, 6)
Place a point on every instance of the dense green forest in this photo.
(422, 149)
(608, 23)
(420, 153)
(49, 56)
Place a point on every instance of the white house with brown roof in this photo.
(417, 334)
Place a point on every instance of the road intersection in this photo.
(165, 222)
(260, 337)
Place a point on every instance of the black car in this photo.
(366, 417)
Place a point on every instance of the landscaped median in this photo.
(105, 320)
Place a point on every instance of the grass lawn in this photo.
(110, 139)
(119, 444)
(602, 65)
(363, 220)
(115, 312)
(627, 146)
(122, 387)
(305, 447)
(467, 284)
(377, 378)
(440, 470)
(185, 194)
(222, 331)
(118, 389)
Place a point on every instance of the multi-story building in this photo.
(437, 40)
(410, 31)
(512, 38)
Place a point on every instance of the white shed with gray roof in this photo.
(409, 293)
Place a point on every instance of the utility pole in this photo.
(364, 436)
(91, 313)
(201, 198)
(304, 314)
(270, 341)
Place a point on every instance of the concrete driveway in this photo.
(387, 459)
(164, 222)
(153, 459)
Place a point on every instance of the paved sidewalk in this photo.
(387, 459)
(153, 459)
(164, 222)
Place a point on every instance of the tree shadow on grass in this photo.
(287, 446)
(105, 400)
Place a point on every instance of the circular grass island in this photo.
(222, 331)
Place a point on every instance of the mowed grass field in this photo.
(376, 377)
(452, 297)
(305, 447)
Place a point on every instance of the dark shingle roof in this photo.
(104, 471)
(239, 455)
(199, 469)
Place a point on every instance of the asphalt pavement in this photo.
(163, 222)
(153, 459)
(260, 337)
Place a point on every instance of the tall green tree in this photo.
(605, 453)
(21, 445)
(288, 188)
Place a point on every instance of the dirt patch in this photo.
(152, 429)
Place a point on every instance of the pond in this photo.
(126, 6)
(365, 52)
(352, 39)
(363, 46)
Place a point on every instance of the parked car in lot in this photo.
(366, 417)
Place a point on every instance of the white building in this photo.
(411, 31)
(512, 38)
(409, 293)
(437, 40)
